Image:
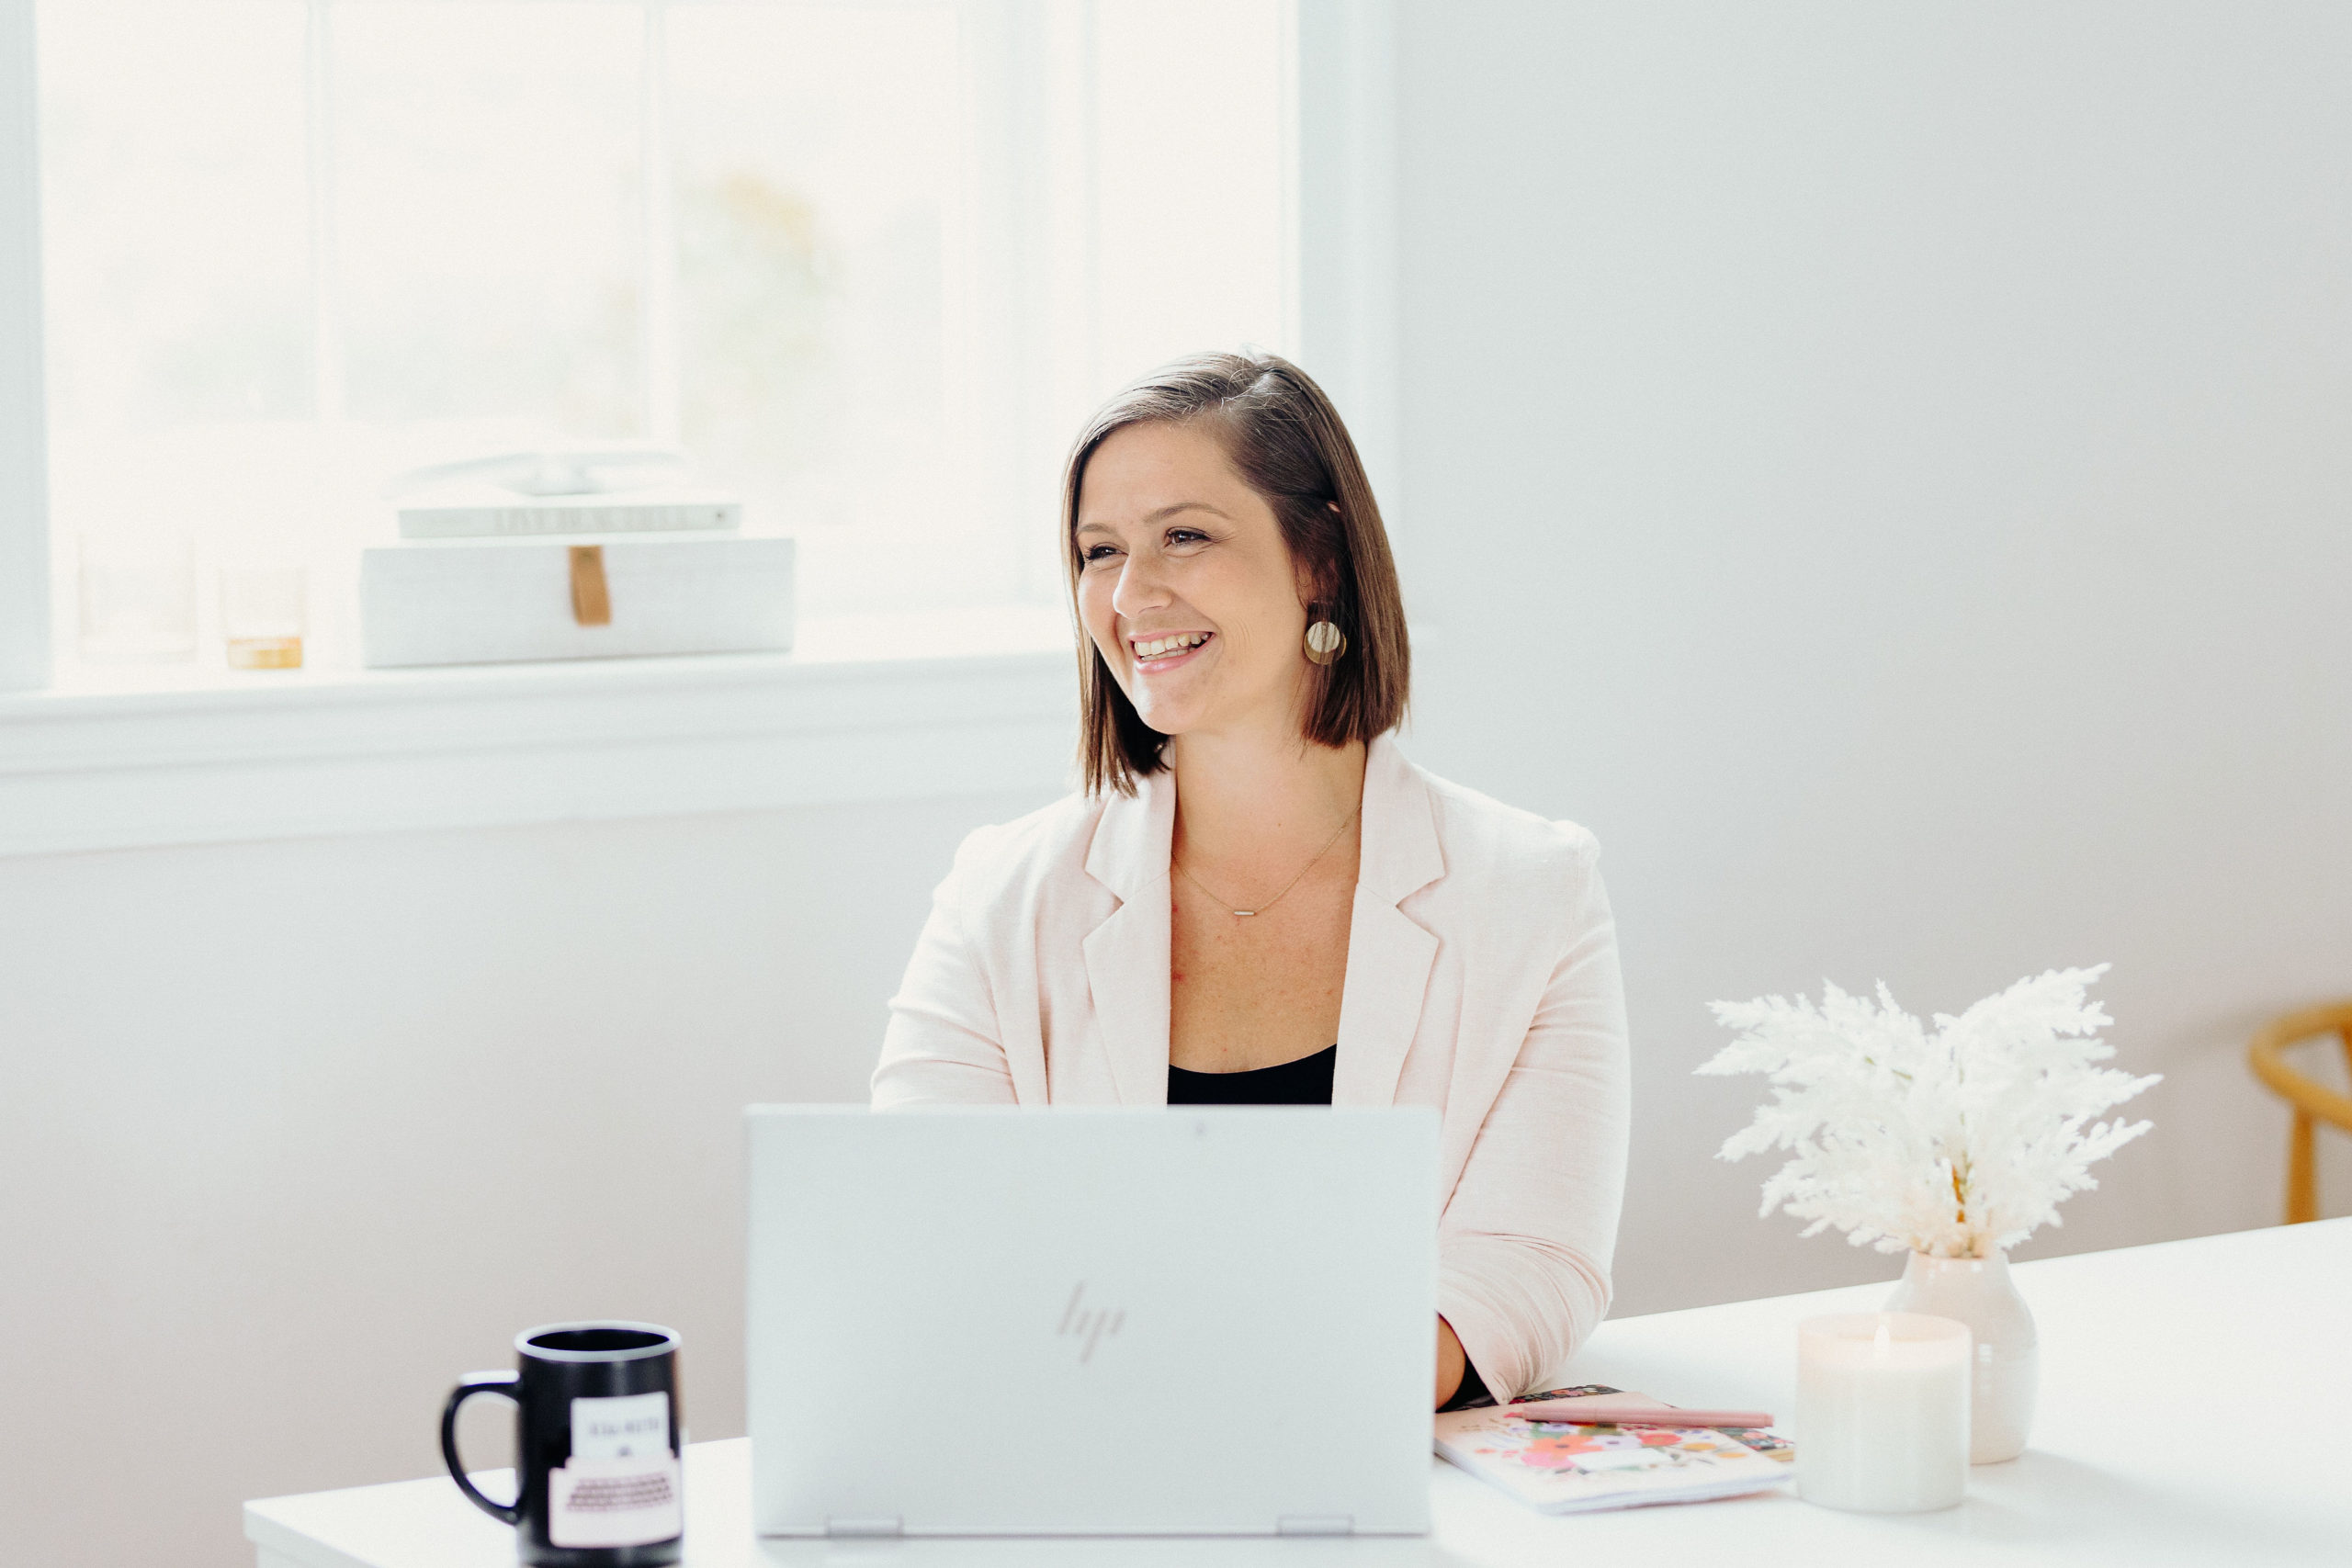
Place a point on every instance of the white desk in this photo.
(2255, 1328)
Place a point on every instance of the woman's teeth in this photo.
(1161, 648)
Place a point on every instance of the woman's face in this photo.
(1186, 584)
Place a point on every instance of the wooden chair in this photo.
(2311, 1102)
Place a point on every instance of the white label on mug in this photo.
(622, 1485)
(618, 1429)
(615, 1501)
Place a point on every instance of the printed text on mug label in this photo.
(619, 1428)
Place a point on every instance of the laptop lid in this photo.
(976, 1321)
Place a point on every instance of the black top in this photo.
(1307, 1081)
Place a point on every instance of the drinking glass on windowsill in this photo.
(262, 616)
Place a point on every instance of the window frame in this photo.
(25, 647)
(345, 751)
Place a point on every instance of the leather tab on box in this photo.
(592, 600)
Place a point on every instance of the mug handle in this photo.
(505, 1386)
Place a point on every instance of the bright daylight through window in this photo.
(867, 263)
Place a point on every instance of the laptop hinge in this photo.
(1316, 1524)
(891, 1526)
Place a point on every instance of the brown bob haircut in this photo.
(1285, 440)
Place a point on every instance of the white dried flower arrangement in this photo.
(1956, 1143)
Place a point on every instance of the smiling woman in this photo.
(1233, 490)
(1376, 936)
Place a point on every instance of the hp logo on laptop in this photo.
(1090, 1325)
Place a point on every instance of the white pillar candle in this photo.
(1882, 1412)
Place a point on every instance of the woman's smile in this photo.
(1159, 652)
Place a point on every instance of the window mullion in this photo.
(24, 447)
(326, 303)
(663, 380)
(1074, 245)
(1288, 66)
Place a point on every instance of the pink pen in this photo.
(1599, 1410)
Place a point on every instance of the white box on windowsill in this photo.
(493, 601)
(487, 511)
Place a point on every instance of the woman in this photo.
(1257, 899)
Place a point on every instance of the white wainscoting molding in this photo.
(366, 751)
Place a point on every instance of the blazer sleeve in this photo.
(1525, 1243)
(943, 1045)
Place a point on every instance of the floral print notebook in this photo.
(1562, 1467)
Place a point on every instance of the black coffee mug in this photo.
(597, 1445)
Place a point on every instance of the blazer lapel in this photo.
(1389, 956)
(1126, 956)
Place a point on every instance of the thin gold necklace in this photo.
(1310, 865)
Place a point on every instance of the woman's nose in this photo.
(1140, 588)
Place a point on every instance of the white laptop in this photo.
(1091, 1321)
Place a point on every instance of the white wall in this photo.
(1884, 469)
(293, 1134)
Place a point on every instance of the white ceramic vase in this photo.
(1979, 1292)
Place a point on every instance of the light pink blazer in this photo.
(1482, 981)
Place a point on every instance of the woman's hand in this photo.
(1450, 1362)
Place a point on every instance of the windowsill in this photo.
(116, 757)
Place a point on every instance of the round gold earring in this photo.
(1326, 642)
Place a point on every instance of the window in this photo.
(870, 263)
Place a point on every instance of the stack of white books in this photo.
(488, 574)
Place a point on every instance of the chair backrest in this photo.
(2313, 1101)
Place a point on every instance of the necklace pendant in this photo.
(1243, 914)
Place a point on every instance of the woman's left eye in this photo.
(1186, 536)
